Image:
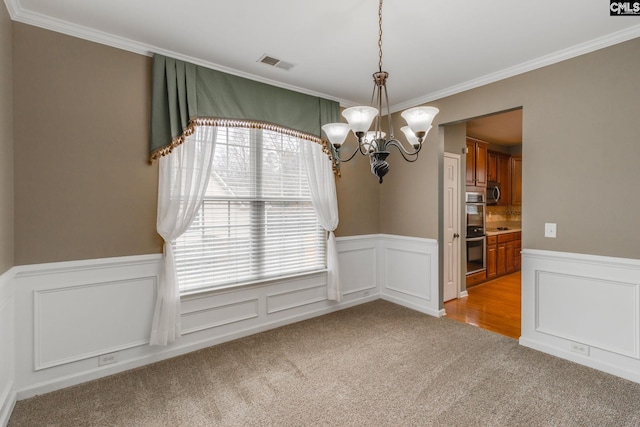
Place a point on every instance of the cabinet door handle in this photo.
(456, 235)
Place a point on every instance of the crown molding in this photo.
(64, 27)
(553, 58)
(13, 6)
(19, 14)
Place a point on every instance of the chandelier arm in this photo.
(407, 155)
(361, 149)
(386, 95)
(340, 160)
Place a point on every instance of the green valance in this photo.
(184, 94)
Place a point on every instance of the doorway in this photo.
(490, 298)
(451, 219)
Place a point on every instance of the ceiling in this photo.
(430, 48)
(501, 129)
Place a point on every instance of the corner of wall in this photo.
(7, 347)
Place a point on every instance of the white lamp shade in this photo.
(411, 137)
(360, 118)
(336, 132)
(419, 118)
(371, 135)
(371, 138)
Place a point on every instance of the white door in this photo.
(451, 226)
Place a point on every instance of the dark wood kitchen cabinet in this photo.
(492, 166)
(491, 257)
(499, 170)
(476, 163)
(501, 259)
(503, 254)
(516, 180)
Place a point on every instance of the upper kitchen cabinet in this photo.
(499, 170)
(477, 163)
(516, 180)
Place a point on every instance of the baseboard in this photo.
(600, 365)
(6, 405)
(416, 307)
(7, 347)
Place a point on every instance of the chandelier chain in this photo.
(380, 36)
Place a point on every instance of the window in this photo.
(256, 221)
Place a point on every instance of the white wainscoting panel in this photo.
(79, 322)
(7, 348)
(218, 315)
(69, 314)
(286, 300)
(603, 313)
(409, 272)
(575, 301)
(358, 263)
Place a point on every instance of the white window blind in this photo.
(257, 221)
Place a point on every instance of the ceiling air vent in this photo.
(274, 62)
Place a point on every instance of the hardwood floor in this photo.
(493, 305)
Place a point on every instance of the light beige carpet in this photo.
(377, 364)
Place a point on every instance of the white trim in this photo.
(589, 300)
(19, 14)
(212, 325)
(7, 386)
(37, 323)
(360, 238)
(271, 296)
(208, 318)
(543, 61)
(600, 365)
(75, 378)
(64, 27)
(414, 284)
(589, 259)
(634, 298)
(7, 403)
(88, 264)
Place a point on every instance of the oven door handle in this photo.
(475, 239)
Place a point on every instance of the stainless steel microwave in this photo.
(493, 193)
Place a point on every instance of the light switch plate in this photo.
(550, 230)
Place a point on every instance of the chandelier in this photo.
(373, 143)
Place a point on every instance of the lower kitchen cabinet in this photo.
(503, 254)
(492, 257)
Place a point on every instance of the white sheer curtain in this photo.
(322, 186)
(184, 175)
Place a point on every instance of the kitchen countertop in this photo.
(495, 231)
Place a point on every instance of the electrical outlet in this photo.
(550, 230)
(108, 359)
(580, 348)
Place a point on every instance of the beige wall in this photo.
(83, 185)
(358, 195)
(581, 146)
(83, 188)
(6, 141)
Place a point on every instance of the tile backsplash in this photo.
(502, 214)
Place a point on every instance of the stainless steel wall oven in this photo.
(476, 240)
